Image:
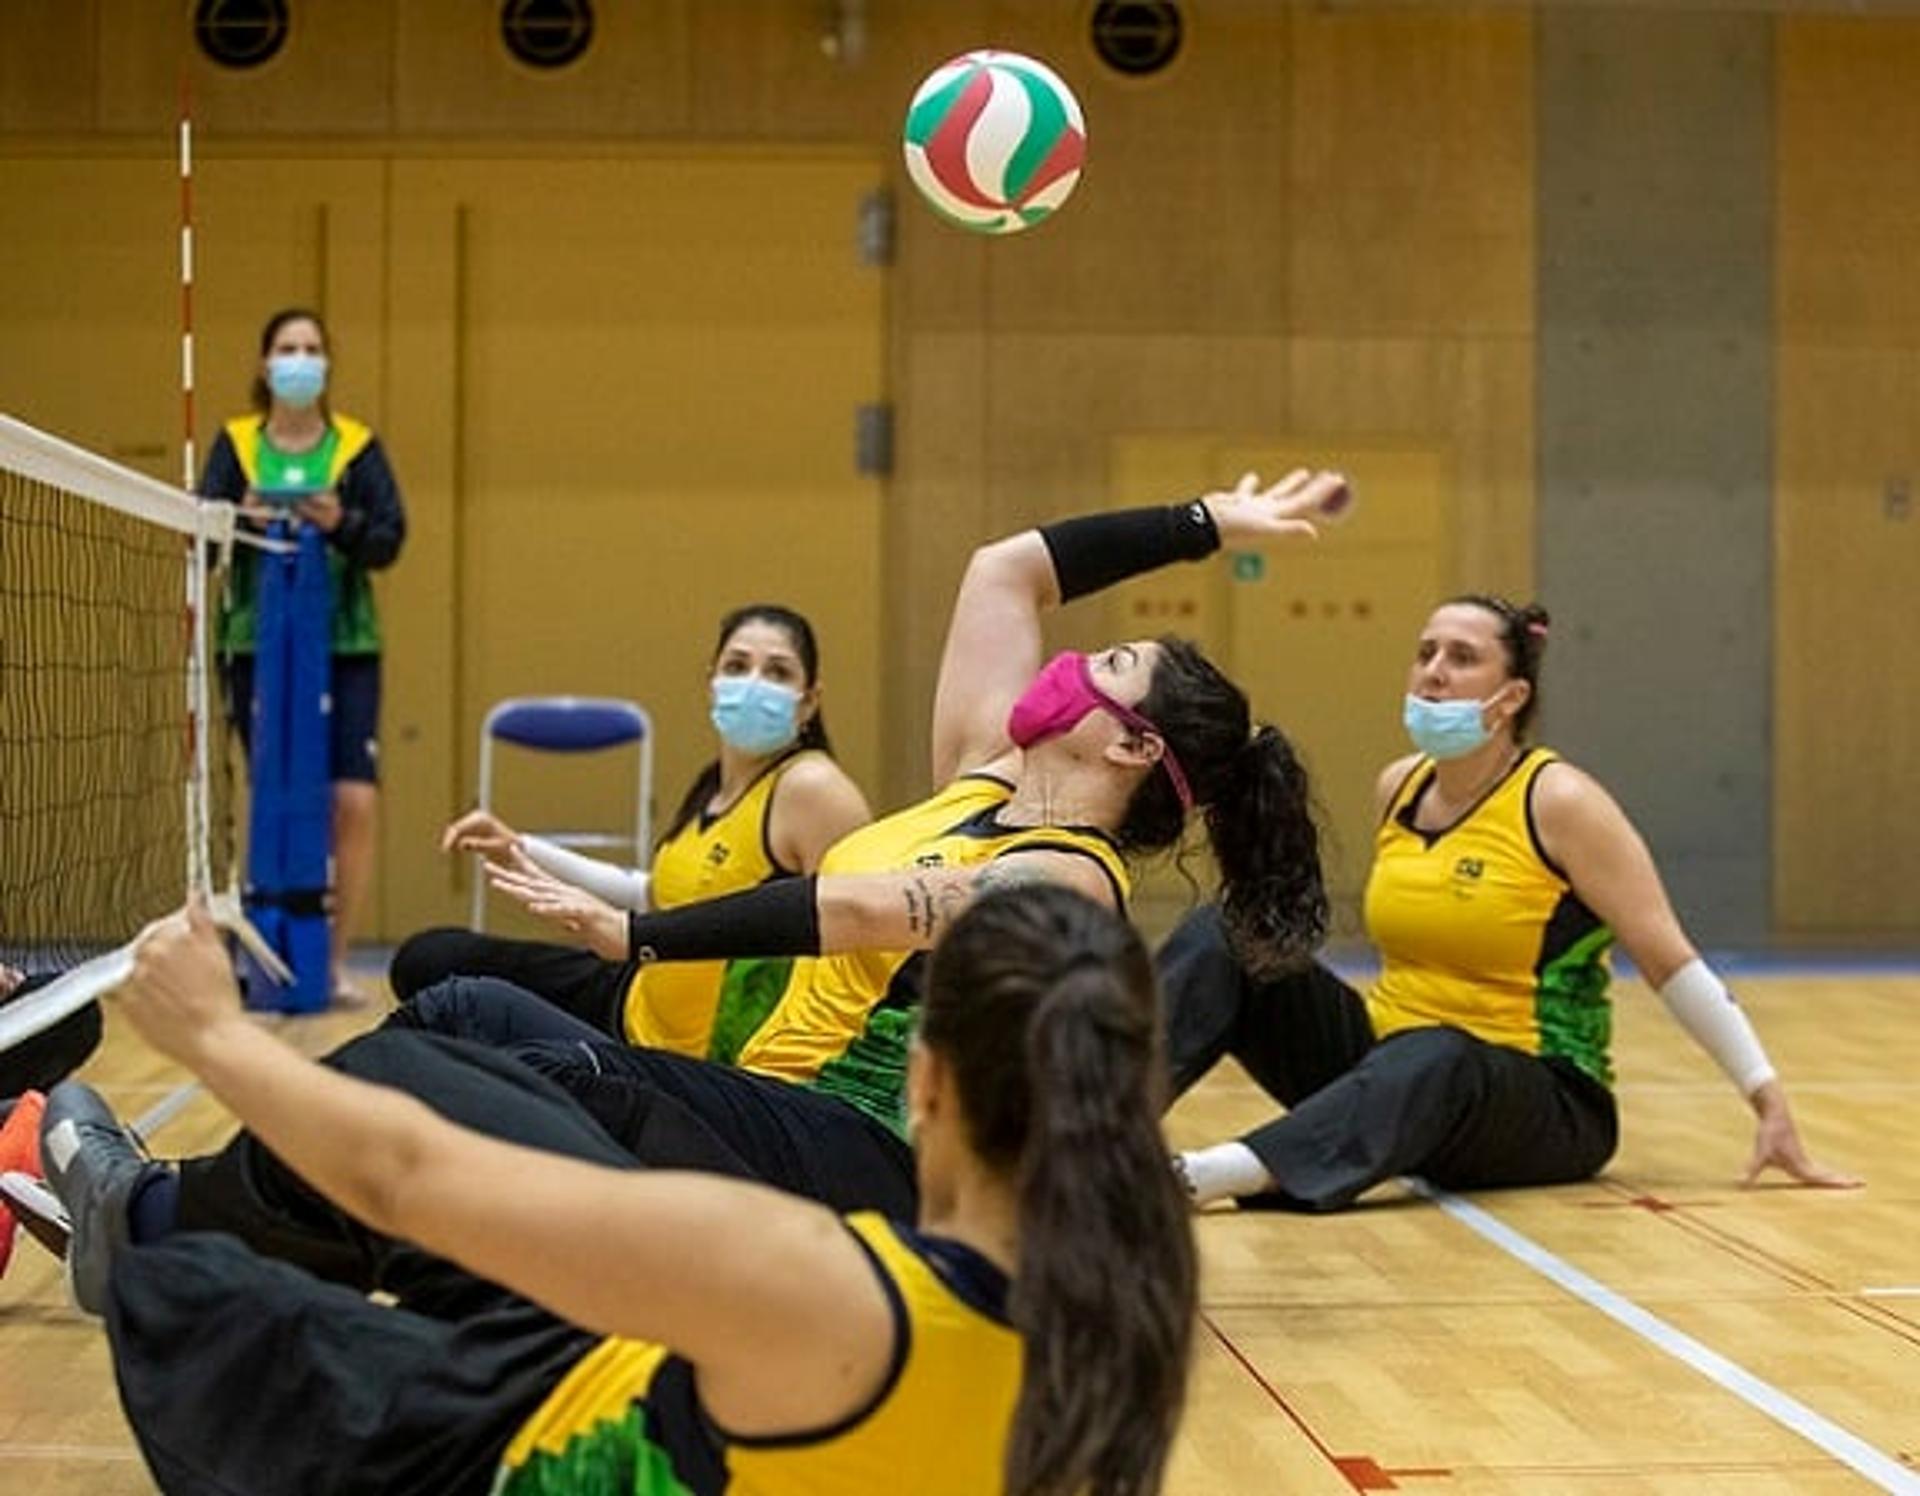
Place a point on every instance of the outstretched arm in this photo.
(1611, 870)
(896, 911)
(993, 641)
(769, 1296)
(484, 833)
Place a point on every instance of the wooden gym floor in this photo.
(1657, 1330)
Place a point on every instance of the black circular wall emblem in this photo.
(1137, 37)
(547, 33)
(240, 33)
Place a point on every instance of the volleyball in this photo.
(995, 141)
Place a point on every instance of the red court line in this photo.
(1361, 1472)
(1754, 1255)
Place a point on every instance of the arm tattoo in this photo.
(922, 919)
(933, 904)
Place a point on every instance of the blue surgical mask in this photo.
(297, 378)
(754, 715)
(1445, 729)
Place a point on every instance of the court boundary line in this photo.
(1865, 1460)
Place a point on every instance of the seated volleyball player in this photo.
(1059, 774)
(608, 1330)
(766, 806)
(1501, 877)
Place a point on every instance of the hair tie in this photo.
(1537, 629)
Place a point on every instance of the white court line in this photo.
(165, 1109)
(116, 1453)
(1902, 1292)
(1853, 1452)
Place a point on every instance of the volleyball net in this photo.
(115, 775)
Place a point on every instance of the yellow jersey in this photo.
(709, 1008)
(627, 1420)
(843, 1023)
(1478, 930)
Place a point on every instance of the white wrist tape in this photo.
(622, 887)
(1701, 1004)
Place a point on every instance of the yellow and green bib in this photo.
(627, 1421)
(356, 626)
(1478, 930)
(710, 1008)
(843, 1023)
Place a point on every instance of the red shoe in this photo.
(19, 1153)
(20, 1135)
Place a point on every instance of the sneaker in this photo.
(93, 1164)
(37, 1209)
(20, 1134)
(19, 1150)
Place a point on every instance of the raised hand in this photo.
(596, 924)
(1249, 514)
(182, 987)
(480, 831)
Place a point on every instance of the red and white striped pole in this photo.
(187, 463)
(199, 695)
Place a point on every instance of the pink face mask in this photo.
(1061, 696)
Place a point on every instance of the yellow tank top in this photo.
(627, 1421)
(1478, 930)
(843, 1023)
(708, 1008)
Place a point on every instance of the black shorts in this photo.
(355, 718)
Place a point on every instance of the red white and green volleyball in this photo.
(995, 141)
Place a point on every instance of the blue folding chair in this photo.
(570, 724)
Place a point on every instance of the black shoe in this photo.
(93, 1164)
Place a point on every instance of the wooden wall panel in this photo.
(1411, 149)
(1314, 223)
(455, 78)
(1847, 546)
(334, 76)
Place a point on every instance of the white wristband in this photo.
(1701, 1004)
(622, 887)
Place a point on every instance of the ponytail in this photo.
(1045, 1008)
(1264, 838)
(1105, 1373)
(1259, 809)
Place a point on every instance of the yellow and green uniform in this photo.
(709, 1008)
(1478, 930)
(347, 459)
(627, 1420)
(842, 1024)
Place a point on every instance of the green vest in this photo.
(356, 627)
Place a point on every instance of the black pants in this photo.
(576, 981)
(1436, 1102)
(41, 1061)
(246, 1191)
(244, 1374)
(240, 1374)
(670, 1111)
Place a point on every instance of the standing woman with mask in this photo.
(294, 443)
(1501, 877)
(767, 806)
